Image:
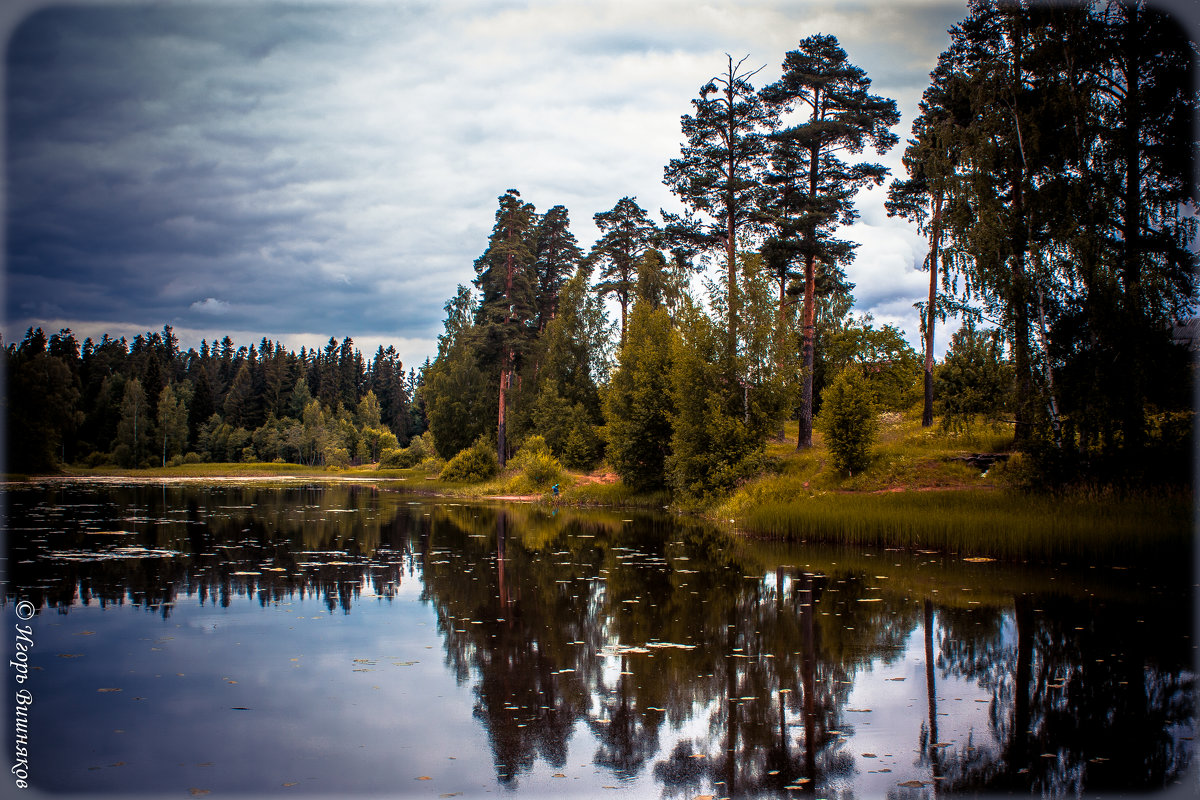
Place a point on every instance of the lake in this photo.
(283, 638)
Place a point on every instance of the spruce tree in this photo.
(637, 404)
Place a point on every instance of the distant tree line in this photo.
(146, 402)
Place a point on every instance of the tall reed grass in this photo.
(985, 523)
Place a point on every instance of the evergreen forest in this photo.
(1051, 168)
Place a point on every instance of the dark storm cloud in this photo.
(304, 171)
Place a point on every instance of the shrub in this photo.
(418, 450)
(474, 464)
(848, 421)
(336, 456)
(536, 464)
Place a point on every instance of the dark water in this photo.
(340, 639)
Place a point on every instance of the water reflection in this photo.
(667, 655)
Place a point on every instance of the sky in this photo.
(299, 171)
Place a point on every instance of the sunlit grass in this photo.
(999, 524)
(614, 494)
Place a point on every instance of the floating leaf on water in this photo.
(859, 710)
(70, 655)
(558, 775)
(198, 792)
(869, 755)
(978, 560)
(108, 690)
(912, 784)
(291, 783)
(423, 778)
(85, 633)
(897, 679)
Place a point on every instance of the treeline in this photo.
(145, 402)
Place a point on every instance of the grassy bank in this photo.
(918, 492)
(999, 524)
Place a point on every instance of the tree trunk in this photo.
(935, 241)
(500, 442)
(1133, 415)
(807, 347)
(731, 222)
(809, 333)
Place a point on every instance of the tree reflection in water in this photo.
(707, 662)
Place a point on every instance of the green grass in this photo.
(614, 495)
(998, 524)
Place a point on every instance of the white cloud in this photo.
(211, 305)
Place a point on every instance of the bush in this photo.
(418, 450)
(535, 464)
(848, 421)
(337, 456)
(474, 464)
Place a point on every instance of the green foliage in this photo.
(584, 446)
(335, 456)
(889, 363)
(848, 421)
(713, 445)
(534, 466)
(974, 380)
(473, 464)
(626, 232)
(458, 402)
(40, 403)
(133, 430)
(418, 450)
(637, 405)
(172, 421)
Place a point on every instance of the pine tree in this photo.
(506, 317)
(839, 116)
(556, 255)
(718, 174)
(626, 232)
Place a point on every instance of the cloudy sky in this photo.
(301, 171)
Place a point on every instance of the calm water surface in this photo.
(284, 639)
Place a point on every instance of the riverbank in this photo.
(924, 489)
